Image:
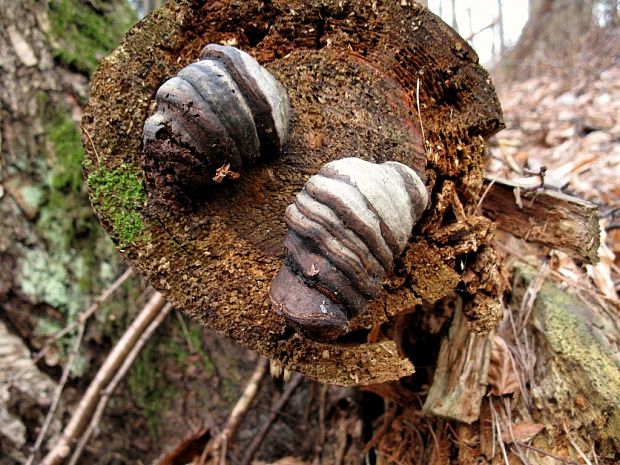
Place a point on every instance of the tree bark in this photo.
(500, 22)
(455, 24)
(54, 257)
(552, 32)
(548, 217)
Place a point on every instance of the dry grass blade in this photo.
(527, 304)
(496, 424)
(575, 445)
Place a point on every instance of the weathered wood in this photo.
(354, 72)
(460, 380)
(549, 217)
(577, 371)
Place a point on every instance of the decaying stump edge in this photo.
(548, 217)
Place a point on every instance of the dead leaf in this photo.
(502, 376)
(521, 432)
(188, 450)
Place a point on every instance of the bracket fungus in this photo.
(346, 227)
(223, 110)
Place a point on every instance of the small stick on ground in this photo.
(120, 375)
(322, 431)
(58, 393)
(238, 413)
(548, 454)
(108, 369)
(293, 384)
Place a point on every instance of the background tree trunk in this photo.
(54, 257)
(554, 28)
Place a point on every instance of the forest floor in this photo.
(568, 123)
(187, 379)
(567, 120)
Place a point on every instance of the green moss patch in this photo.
(121, 194)
(83, 32)
(64, 136)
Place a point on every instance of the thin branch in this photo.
(90, 139)
(108, 369)
(82, 316)
(488, 26)
(238, 413)
(120, 375)
(294, 383)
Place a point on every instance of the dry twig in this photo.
(120, 375)
(258, 439)
(220, 442)
(108, 369)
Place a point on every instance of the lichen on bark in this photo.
(60, 257)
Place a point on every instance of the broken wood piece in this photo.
(549, 217)
(460, 380)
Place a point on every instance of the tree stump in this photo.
(380, 81)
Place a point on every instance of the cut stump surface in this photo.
(352, 71)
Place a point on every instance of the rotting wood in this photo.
(549, 217)
(577, 358)
(460, 380)
(354, 90)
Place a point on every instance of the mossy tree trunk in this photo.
(54, 258)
